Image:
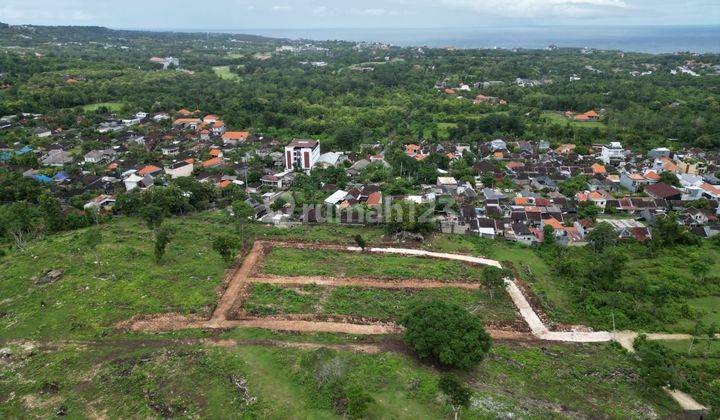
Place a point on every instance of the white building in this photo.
(612, 153)
(302, 154)
(179, 169)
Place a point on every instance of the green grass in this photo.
(128, 380)
(88, 298)
(224, 72)
(559, 118)
(366, 302)
(319, 233)
(308, 262)
(111, 106)
(697, 366)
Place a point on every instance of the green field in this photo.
(224, 73)
(309, 262)
(142, 378)
(559, 118)
(379, 304)
(697, 366)
(111, 106)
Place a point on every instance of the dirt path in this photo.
(241, 278)
(237, 282)
(380, 284)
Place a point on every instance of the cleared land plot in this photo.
(372, 303)
(111, 106)
(309, 262)
(142, 379)
(557, 117)
(224, 72)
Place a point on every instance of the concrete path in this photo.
(422, 253)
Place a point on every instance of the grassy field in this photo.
(142, 379)
(559, 118)
(111, 106)
(224, 72)
(697, 365)
(380, 304)
(88, 299)
(309, 262)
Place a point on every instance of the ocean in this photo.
(649, 39)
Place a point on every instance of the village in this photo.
(511, 190)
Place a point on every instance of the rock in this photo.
(50, 276)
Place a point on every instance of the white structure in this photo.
(179, 169)
(612, 152)
(302, 154)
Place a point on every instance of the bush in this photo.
(446, 333)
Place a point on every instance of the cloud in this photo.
(369, 12)
(539, 8)
(320, 10)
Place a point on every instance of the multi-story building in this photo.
(302, 154)
(612, 153)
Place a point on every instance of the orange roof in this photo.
(670, 167)
(235, 135)
(596, 195)
(652, 175)
(581, 196)
(498, 154)
(186, 121)
(449, 91)
(582, 117)
(374, 199)
(412, 148)
(112, 166)
(420, 157)
(210, 117)
(598, 168)
(636, 177)
(224, 184)
(219, 124)
(212, 162)
(521, 201)
(592, 113)
(710, 188)
(514, 164)
(190, 160)
(184, 112)
(71, 81)
(149, 169)
(215, 152)
(555, 223)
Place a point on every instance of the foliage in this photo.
(602, 236)
(225, 245)
(447, 334)
(163, 237)
(457, 392)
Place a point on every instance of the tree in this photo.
(162, 238)
(241, 212)
(406, 216)
(52, 213)
(153, 216)
(548, 235)
(715, 398)
(602, 236)
(494, 278)
(360, 241)
(670, 179)
(656, 362)
(587, 210)
(225, 246)
(456, 391)
(91, 238)
(710, 332)
(446, 333)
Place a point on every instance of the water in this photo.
(650, 39)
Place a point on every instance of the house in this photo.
(337, 197)
(331, 159)
(149, 170)
(179, 169)
(447, 184)
(99, 156)
(662, 190)
(302, 154)
(210, 163)
(633, 181)
(612, 153)
(188, 123)
(235, 137)
(42, 132)
(56, 157)
(104, 202)
(279, 180)
(135, 181)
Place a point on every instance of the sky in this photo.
(237, 15)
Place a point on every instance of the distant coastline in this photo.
(648, 39)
